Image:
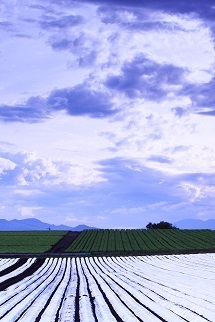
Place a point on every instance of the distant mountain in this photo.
(35, 224)
(195, 224)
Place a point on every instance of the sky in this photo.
(107, 111)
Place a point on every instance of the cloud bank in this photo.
(107, 111)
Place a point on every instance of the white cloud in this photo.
(77, 219)
(27, 193)
(6, 164)
(169, 206)
(101, 218)
(31, 169)
(128, 211)
(196, 192)
(28, 212)
(145, 132)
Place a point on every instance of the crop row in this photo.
(134, 288)
(109, 240)
(29, 241)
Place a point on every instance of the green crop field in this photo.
(117, 241)
(28, 241)
(141, 240)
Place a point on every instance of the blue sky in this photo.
(107, 111)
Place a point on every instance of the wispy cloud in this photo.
(160, 159)
(62, 23)
(204, 9)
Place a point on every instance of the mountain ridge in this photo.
(195, 224)
(36, 224)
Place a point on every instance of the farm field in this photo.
(29, 241)
(147, 241)
(133, 288)
(108, 242)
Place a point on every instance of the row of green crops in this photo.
(120, 240)
(29, 241)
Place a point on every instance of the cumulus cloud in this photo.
(145, 78)
(202, 96)
(81, 100)
(77, 101)
(179, 111)
(84, 45)
(6, 165)
(27, 169)
(34, 110)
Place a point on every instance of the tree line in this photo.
(160, 225)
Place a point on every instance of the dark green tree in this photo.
(160, 225)
(149, 226)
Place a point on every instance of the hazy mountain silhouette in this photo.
(35, 224)
(195, 224)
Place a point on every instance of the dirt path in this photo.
(64, 242)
